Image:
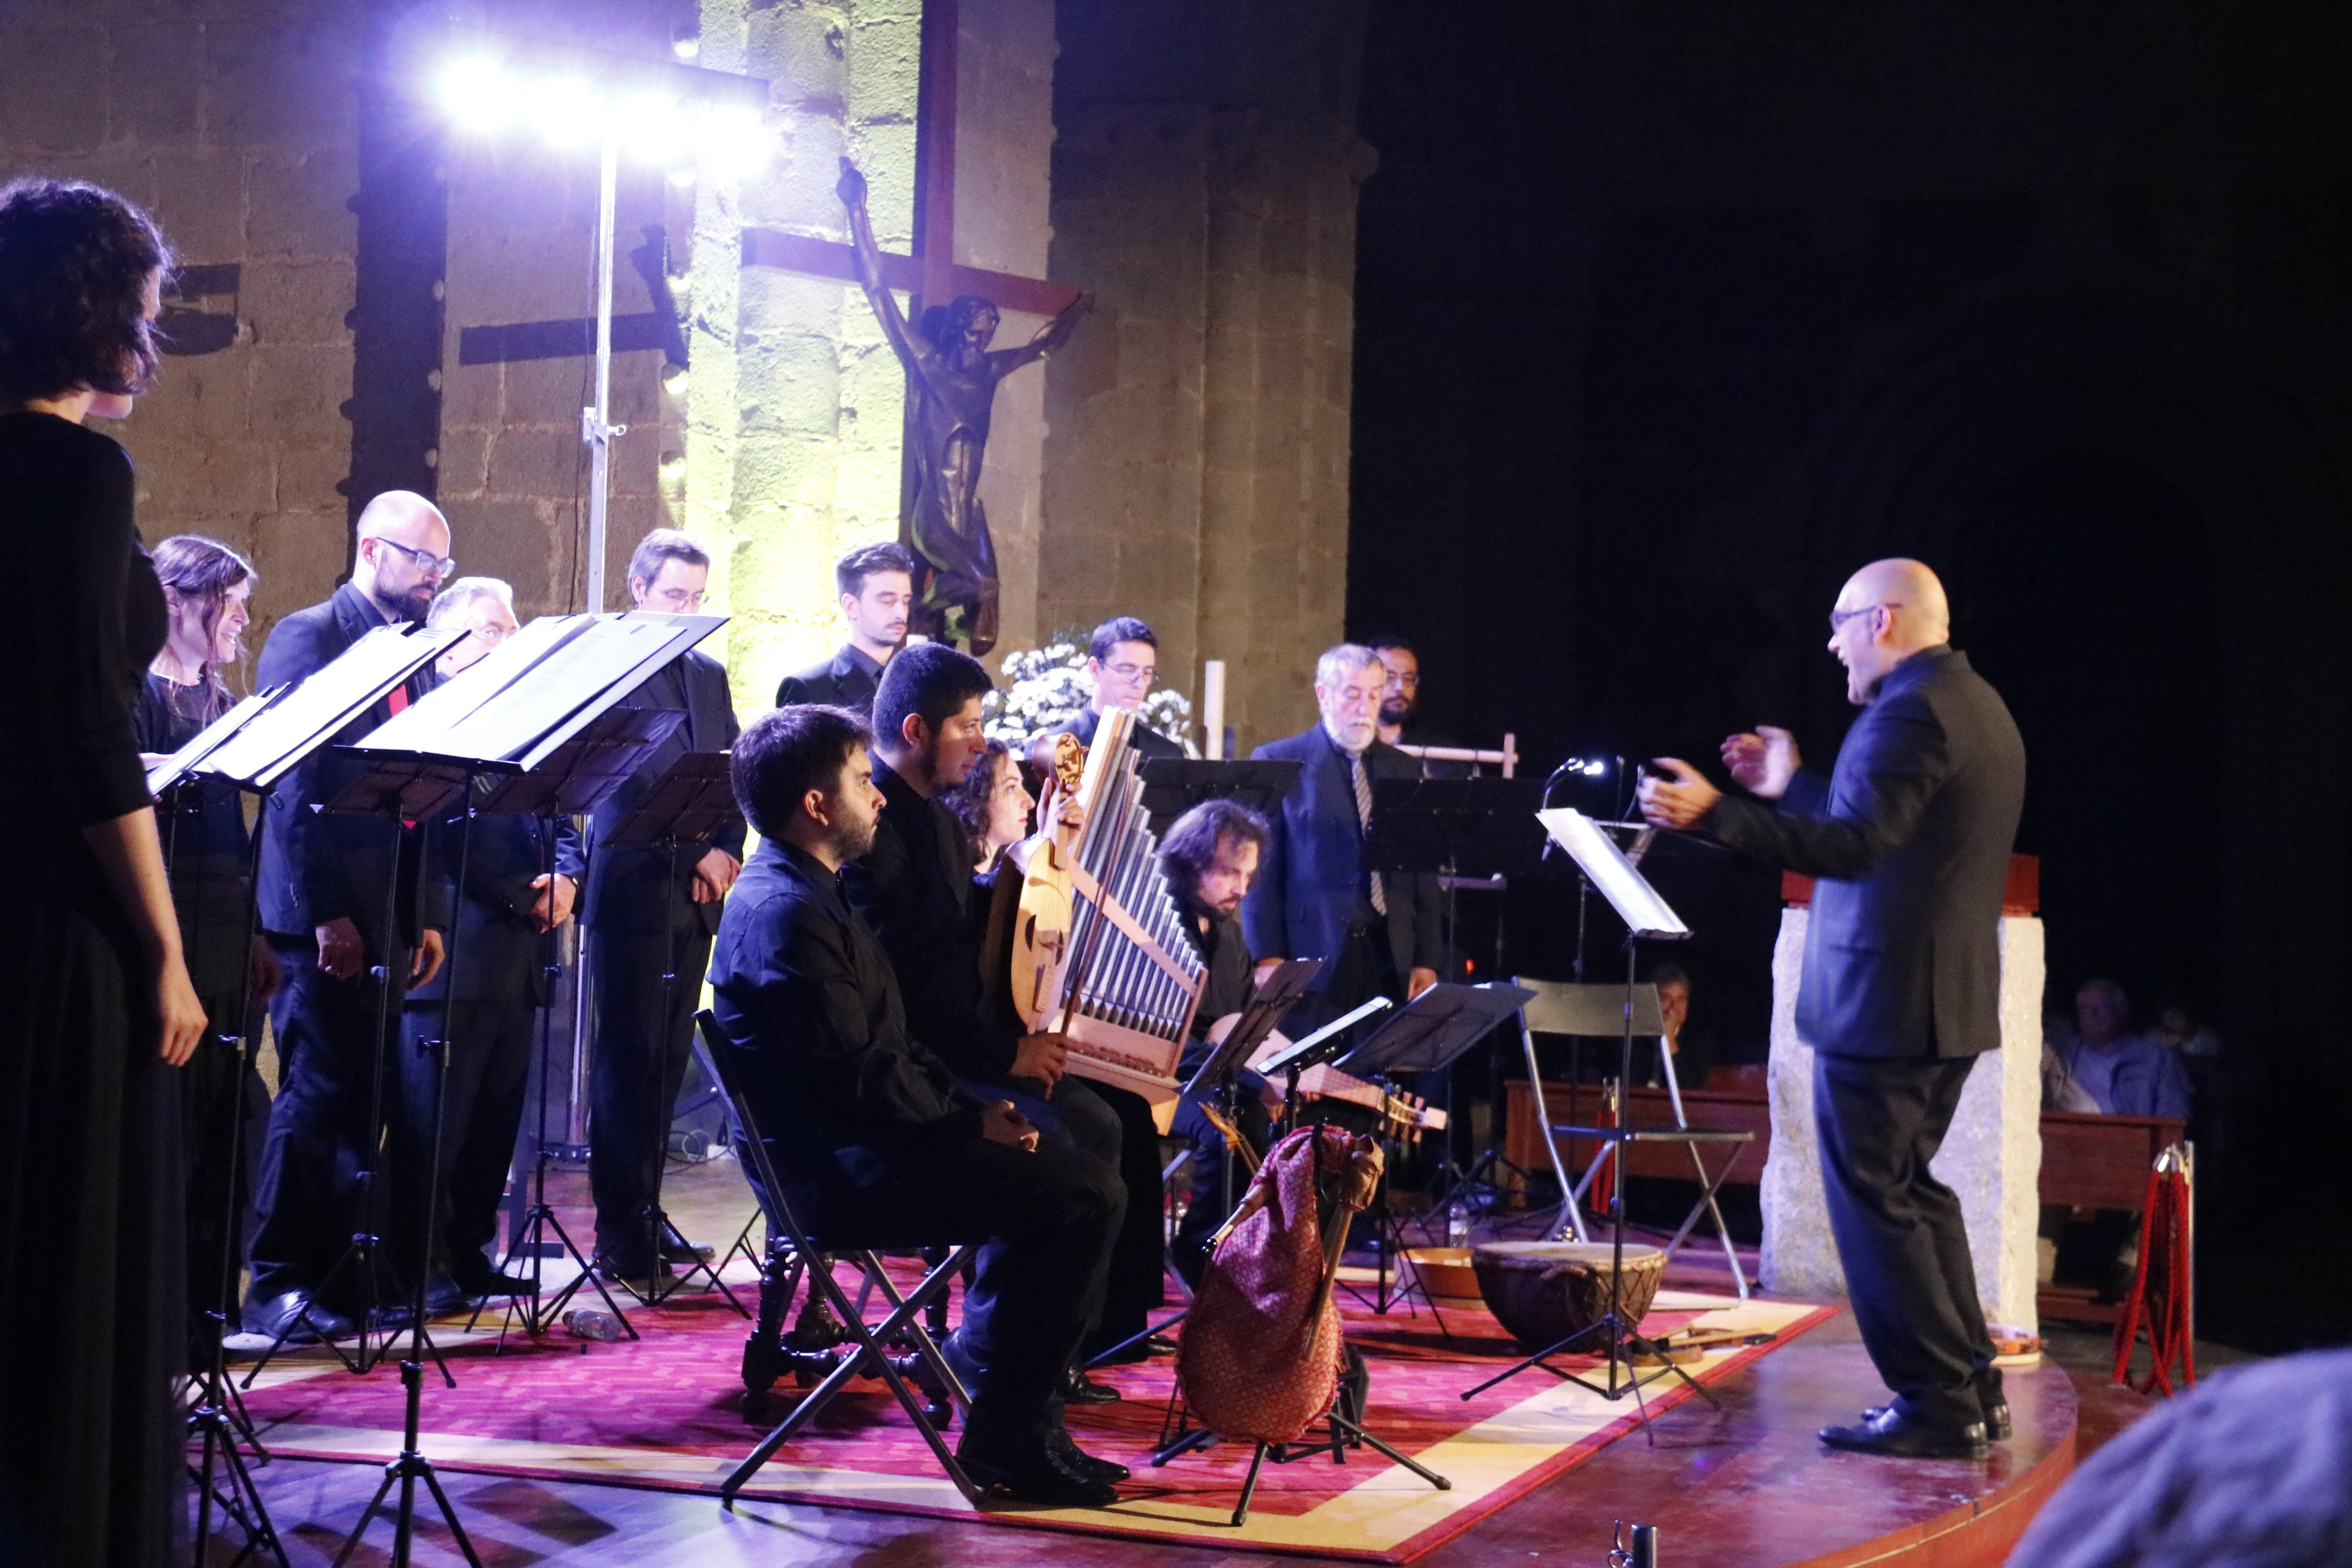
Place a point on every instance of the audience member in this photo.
(2122, 1073)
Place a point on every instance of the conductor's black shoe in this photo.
(1998, 1426)
(1086, 1463)
(1036, 1474)
(443, 1296)
(1888, 1431)
(1077, 1388)
(284, 1315)
(1141, 1350)
(476, 1278)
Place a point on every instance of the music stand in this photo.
(1646, 916)
(686, 804)
(545, 704)
(1429, 1034)
(1174, 785)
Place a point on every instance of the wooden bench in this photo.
(2087, 1161)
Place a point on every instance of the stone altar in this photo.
(1992, 1157)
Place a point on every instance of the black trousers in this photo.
(481, 1112)
(309, 1202)
(1074, 1116)
(1046, 1219)
(642, 1047)
(1899, 1232)
(1137, 1280)
(219, 1089)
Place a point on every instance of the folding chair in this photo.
(1597, 1012)
(864, 1349)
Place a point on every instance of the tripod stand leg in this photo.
(1361, 1436)
(1249, 1486)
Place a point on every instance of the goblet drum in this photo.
(1545, 1292)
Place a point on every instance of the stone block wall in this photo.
(235, 129)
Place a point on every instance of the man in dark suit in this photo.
(1316, 895)
(1122, 660)
(650, 914)
(1908, 840)
(876, 584)
(325, 884)
(521, 876)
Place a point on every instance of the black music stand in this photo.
(545, 702)
(1482, 832)
(1646, 916)
(688, 803)
(280, 736)
(1429, 1034)
(1174, 785)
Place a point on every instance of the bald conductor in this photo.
(1908, 840)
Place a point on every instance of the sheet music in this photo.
(325, 702)
(551, 691)
(180, 763)
(425, 725)
(1628, 892)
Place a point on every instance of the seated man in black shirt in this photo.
(872, 1137)
(1210, 858)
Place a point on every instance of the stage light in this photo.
(687, 43)
(566, 110)
(654, 128)
(476, 94)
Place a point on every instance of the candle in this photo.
(1212, 708)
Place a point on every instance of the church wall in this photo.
(1204, 188)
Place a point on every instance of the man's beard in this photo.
(1395, 712)
(413, 606)
(851, 841)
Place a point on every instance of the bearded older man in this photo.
(1908, 841)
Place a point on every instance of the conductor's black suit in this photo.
(1909, 841)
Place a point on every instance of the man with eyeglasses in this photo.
(1123, 661)
(649, 918)
(1908, 841)
(325, 884)
(1401, 720)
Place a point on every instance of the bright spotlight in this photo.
(655, 127)
(476, 95)
(566, 110)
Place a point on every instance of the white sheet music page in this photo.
(425, 724)
(1629, 893)
(172, 769)
(325, 702)
(554, 688)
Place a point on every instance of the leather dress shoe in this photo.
(1999, 1428)
(1887, 1431)
(444, 1297)
(273, 1317)
(1085, 1463)
(1041, 1473)
(1077, 1388)
(1140, 1351)
(685, 1252)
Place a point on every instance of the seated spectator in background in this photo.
(1694, 1058)
(2176, 1026)
(2123, 1074)
(993, 805)
(2244, 1471)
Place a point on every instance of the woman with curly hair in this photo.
(992, 805)
(96, 1005)
(207, 588)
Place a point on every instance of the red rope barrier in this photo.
(2159, 1300)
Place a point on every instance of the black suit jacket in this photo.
(848, 679)
(914, 889)
(497, 953)
(1311, 881)
(316, 867)
(645, 890)
(1908, 840)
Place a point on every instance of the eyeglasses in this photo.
(1134, 671)
(436, 567)
(1838, 618)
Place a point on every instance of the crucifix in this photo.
(943, 341)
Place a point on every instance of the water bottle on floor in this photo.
(592, 1323)
(1457, 1223)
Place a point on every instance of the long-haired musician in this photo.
(872, 1133)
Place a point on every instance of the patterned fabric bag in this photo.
(1260, 1354)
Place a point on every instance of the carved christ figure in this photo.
(951, 376)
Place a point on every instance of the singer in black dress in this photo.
(96, 1008)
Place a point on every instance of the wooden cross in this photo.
(930, 274)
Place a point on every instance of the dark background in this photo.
(1670, 316)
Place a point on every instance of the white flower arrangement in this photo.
(1047, 688)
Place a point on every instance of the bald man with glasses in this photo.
(325, 882)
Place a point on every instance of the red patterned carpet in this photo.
(663, 1411)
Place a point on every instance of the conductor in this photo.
(1909, 840)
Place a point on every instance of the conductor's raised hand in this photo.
(1681, 802)
(999, 1124)
(1042, 1058)
(1762, 764)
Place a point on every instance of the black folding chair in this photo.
(794, 1254)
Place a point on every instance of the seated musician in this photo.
(871, 1133)
(916, 890)
(1209, 857)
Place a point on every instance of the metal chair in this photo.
(795, 1253)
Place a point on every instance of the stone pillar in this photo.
(1992, 1157)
